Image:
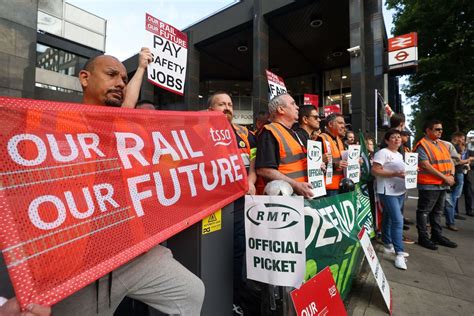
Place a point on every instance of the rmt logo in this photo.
(314, 153)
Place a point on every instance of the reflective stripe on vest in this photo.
(243, 133)
(439, 158)
(293, 161)
(335, 149)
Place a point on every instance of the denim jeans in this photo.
(430, 207)
(452, 198)
(392, 220)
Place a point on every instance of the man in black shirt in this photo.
(308, 120)
(281, 155)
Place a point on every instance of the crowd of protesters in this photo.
(276, 150)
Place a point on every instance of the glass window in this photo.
(57, 60)
(337, 88)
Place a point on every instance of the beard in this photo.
(113, 102)
(229, 115)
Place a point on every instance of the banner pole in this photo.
(376, 117)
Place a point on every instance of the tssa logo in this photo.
(315, 154)
(220, 137)
(273, 216)
(412, 161)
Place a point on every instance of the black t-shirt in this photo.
(303, 135)
(268, 149)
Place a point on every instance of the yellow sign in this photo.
(212, 223)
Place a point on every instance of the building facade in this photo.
(44, 45)
(334, 49)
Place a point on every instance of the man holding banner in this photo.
(332, 144)
(155, 277)
(281, 154)
(246, 142)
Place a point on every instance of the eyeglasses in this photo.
(438, 129)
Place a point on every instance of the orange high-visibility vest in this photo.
(439, 158)
(293, 162)
(244, 149)
(336, 149)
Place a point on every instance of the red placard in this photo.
(311, 99)
(402, 41)
(85, 189)
(333, 108)
(275, 78)
(166, 31)
(319, 296)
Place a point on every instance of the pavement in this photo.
(439, 282)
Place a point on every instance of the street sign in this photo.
(403, 52)
(403, 56)
(403, 41)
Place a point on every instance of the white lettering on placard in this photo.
(38, 148)
(60, 209)
(223, 169)
(161, 148)
(309, 310)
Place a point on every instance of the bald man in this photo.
(155, 277)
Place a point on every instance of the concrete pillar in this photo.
(191, 88)
(358, 75)
(18, 22)
(374, 59)
(260, 59)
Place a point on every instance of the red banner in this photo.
(311, 99)
(332, 108)
(84, 189)
(318, 296)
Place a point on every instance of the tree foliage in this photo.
(443, 86)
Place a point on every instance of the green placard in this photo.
(331, 228)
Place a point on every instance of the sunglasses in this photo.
(315, 116)
(438, 129)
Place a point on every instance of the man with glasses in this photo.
(434, 178)
(308, 121)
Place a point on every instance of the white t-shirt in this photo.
(390, 161)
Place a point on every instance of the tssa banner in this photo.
(84, 189)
